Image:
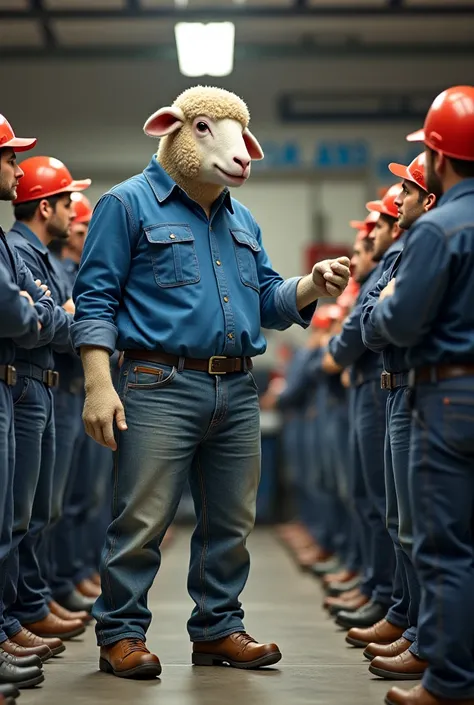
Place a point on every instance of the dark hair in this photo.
(461, 167)
(388, 219)
(368, 244)
(26, 211)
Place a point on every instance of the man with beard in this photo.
(398, 659)
(43, 212)
(26, 320)
(368, 432)
(431, 312)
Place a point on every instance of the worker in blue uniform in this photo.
(43, 212)
(26, 320)
(429, 309)
(391, 645)
(368, 416)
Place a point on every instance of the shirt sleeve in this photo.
(405, 318)
(278, 307)
(19, 319)
(102, 274)
(347, 347)
(44, 305)
(296, 390)
(371, 335)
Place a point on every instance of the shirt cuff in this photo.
(285, 302)
(96, 333)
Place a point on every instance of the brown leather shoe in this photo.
(307, 557)
(52, 626)
(27, 639)
(44, 652)
(420, 696)
(95, 578)
(349, 605)
(67, 615)
(238, 650)
(88, 588)
(405, 667)
(343, 598)
(381, 633)
(129, 658)
(343, 576)
(387, 650)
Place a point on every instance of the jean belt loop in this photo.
(181, 364)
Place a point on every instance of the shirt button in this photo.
(218, 262)
(172, 236)
(226, 299)
(230, 336)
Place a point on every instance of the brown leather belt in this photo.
(215, 365)
(393, 380)
(435, 373)
(8, 375)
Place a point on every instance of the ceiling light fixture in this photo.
(205, 49)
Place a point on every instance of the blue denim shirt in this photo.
(301, 379)
(157, 274)
(432, 309)
(394, 358)
(68, 364)
(18, 320)
(348, 348)
(41, 264)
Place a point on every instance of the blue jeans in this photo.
(181, 424)
(7, 469)
(25, 587)
(369, 427)
(399, 511)
(442, 491)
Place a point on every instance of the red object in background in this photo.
(319, 251)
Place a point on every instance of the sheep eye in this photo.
(202, 127)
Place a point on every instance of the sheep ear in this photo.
(164, 122)
(253, 147)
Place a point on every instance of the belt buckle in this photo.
(211, 363)
(51, 378)
(11, 376)
(386, 380)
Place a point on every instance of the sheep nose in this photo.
(242, 161)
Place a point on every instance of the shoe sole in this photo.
(64, 637)
(58, 650)
(347, 625)
(368, 656)
(147, 671)
(391, 676)
(335, 609)
(216, 660)
(357, 643)
(31, 683)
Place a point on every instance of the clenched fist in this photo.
(331, 276)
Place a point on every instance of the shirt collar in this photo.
(29, 235)
(164, 187)
(461, 189)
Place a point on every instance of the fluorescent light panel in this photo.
(205, 49)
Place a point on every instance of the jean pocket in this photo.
(173, 254)
(246, 249)
(458, 422)
(149, 376)
(20, 390)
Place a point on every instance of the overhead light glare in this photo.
(205, 49)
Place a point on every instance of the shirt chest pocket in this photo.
(246, 250)
(173, 255)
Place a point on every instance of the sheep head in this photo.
(205, 139)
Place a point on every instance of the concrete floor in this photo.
(282, 605)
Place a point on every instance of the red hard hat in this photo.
(387, 205)
(83, 208)
(46, 176)
(449, 124)
(8, 139)
(413, 172)
(347, 298)
(366, 224)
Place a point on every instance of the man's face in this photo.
(77, 237)
(411, 204)
(432, 179)
(59, 218)
(10, 174)
(362, 261)
(382, 235)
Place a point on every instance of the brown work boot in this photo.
(43, 651)
(95, 578)
(381, 633)
(129, 658)
(405, 667)
(343, 576)
(238, 650)
(387, 650)
(27, 639)
(348, 605)
(88, 588)
(67, 615)
(420, 696)
(52, 626)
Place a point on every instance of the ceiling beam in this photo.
(133, 10)
(243, 52)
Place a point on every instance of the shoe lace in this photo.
(133, 645)
(244, 639)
